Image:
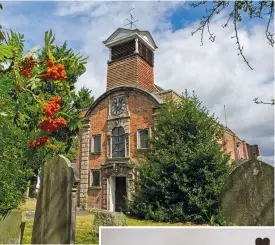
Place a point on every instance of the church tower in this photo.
(131, 59)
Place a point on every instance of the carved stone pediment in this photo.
(119, 122)
(114, 169)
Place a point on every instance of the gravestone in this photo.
(107, 218)
(12, 227)
(247, 197)
(55, 214)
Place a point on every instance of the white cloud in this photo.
(74, 8)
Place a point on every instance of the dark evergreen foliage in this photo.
(180, 179)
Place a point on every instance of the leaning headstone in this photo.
(106, 218)
(247, 198)
(12, 227)
(55, 214)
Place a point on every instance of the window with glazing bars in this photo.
(143, 138)
(95, 178)
(96, 143)
(118, 142)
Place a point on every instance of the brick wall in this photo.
(241, 151)
(230, 144)
(167, 95)
(98, 122)
(244, 151)
(145, 75)
(122, 72)
(131, 71)
(141, 112)
(253, 151)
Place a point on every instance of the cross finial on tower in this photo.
(132, 20)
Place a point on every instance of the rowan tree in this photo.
(40, 113)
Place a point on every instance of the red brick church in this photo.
(117, 126)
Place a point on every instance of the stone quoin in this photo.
(117, 125)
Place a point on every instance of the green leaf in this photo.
(33, 86)
(49, 39)
(32, 51)
(2, 57)
(6, 51)
(3, 114)
(35, 49)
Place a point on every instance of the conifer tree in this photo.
(179, 180)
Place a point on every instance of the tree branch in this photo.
(254, 9)
(206, 21)
(237, 35)
(4, 36)
(268, 34)
(30, 92)
(230, 16)
(256, 101)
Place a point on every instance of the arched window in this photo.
(118, 142)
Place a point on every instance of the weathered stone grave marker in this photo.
(55, 215)
(12, 227)
(107, 218)
(247, 198)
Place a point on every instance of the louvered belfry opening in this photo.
(146, 53)
(123, 50)
(128, 48)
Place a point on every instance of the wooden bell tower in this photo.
(131, 59)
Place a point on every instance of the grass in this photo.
(83, 230)
(84, 225)
(28, 232)
(29, 205)
(136, 222)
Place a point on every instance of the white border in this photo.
(259, 228)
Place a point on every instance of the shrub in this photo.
(180, 179)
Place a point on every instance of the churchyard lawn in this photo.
(83, 230)
(84, 225)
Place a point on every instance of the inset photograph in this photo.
(186, 236)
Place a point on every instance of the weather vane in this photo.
(132, 20)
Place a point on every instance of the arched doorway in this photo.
(118, 185)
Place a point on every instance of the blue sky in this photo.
(44, 11)
(215, 71)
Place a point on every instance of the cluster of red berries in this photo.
(50, 125)
(39, 142)
(51, 108)
(55, 72)
(28, 66)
